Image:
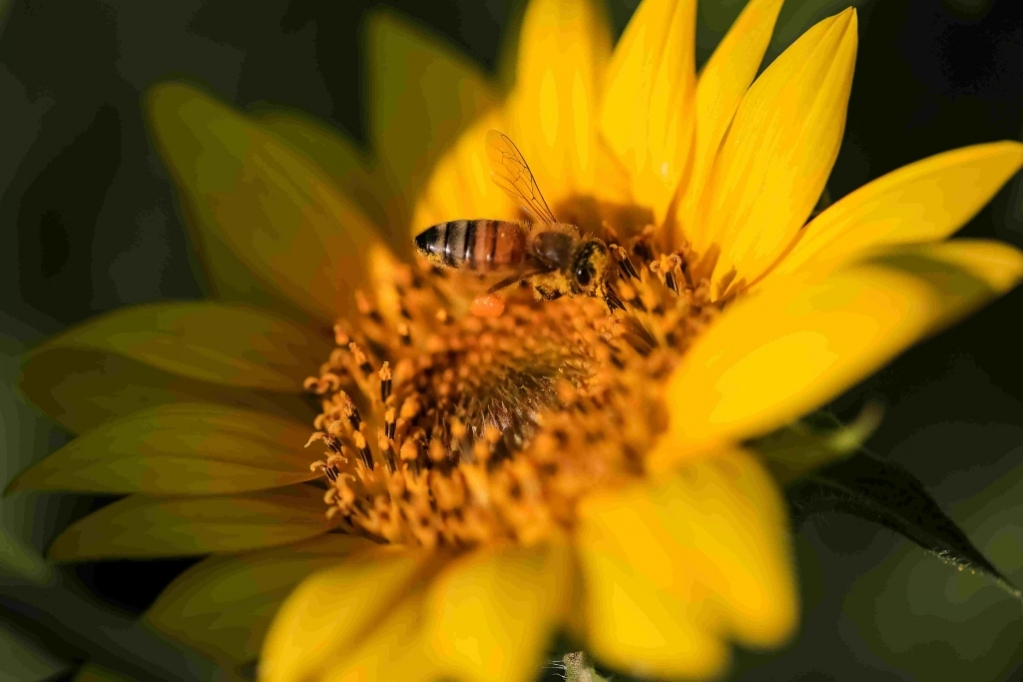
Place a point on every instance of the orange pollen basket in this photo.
(448, 429)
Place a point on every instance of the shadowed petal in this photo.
(81, 388)
(924, 201)
(422, 93)
(780, 353)
(276, 212)
(140, 526)
(183, 449)
(647, 110)
(347, 166)
(779, 150)
(224, 604)
(224, 344)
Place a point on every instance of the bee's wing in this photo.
(511, 173)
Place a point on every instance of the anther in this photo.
(385, 382)
(363, 447)
(624, 261)
(360, 358)
(404, 334)
(341, 337)
(365, 307)
(390, 423)
(350, 410)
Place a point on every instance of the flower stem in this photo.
(579, 669)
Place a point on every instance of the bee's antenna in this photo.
(612, 300)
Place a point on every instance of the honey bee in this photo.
(551, 256)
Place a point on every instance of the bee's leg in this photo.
(612, 300)
(547, 293)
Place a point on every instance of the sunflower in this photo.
(472, 485)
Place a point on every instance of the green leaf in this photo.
(813, 442)
(142, 527)
(270, 224)
(178, 449)
(93, 672)
(224, 344)
(881, 491)
(26, 660)
(223, 605)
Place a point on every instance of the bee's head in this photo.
(590, 267)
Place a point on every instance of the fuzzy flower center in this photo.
(446, 429)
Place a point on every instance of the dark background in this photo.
(88, 223)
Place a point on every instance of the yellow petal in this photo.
(563, 49)
(646, 115)
(643, 612)
(393, 650)
(460, 186)
(183, 449)
(82, 388)
(710, 541)
(275, 212)
(317, 632)
(924, 201)
(780, 148)
(339, 156)
(220, 343)
(727, 513)
(780, 353)
(224, 604)
(421, 95)
(140, 526)
(722, 83)
(492, 614)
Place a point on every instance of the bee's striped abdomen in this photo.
(481, 245)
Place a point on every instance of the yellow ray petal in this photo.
(181, 449)
(318, 630)
(563, 49)
(422, 93)
(340, 157)
(778, 354)
(394, 650)
(720, 88)
(460, 186)
(492, 614)
(712, 538)
(276, 212)
(924, 201)
(780, 148)
(646, 115)
(140, 526)
(643, 611)
(224, 604)
(81, 388)
(225, 344)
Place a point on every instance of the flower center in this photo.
(443, 428)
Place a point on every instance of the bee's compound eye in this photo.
(584, 274)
